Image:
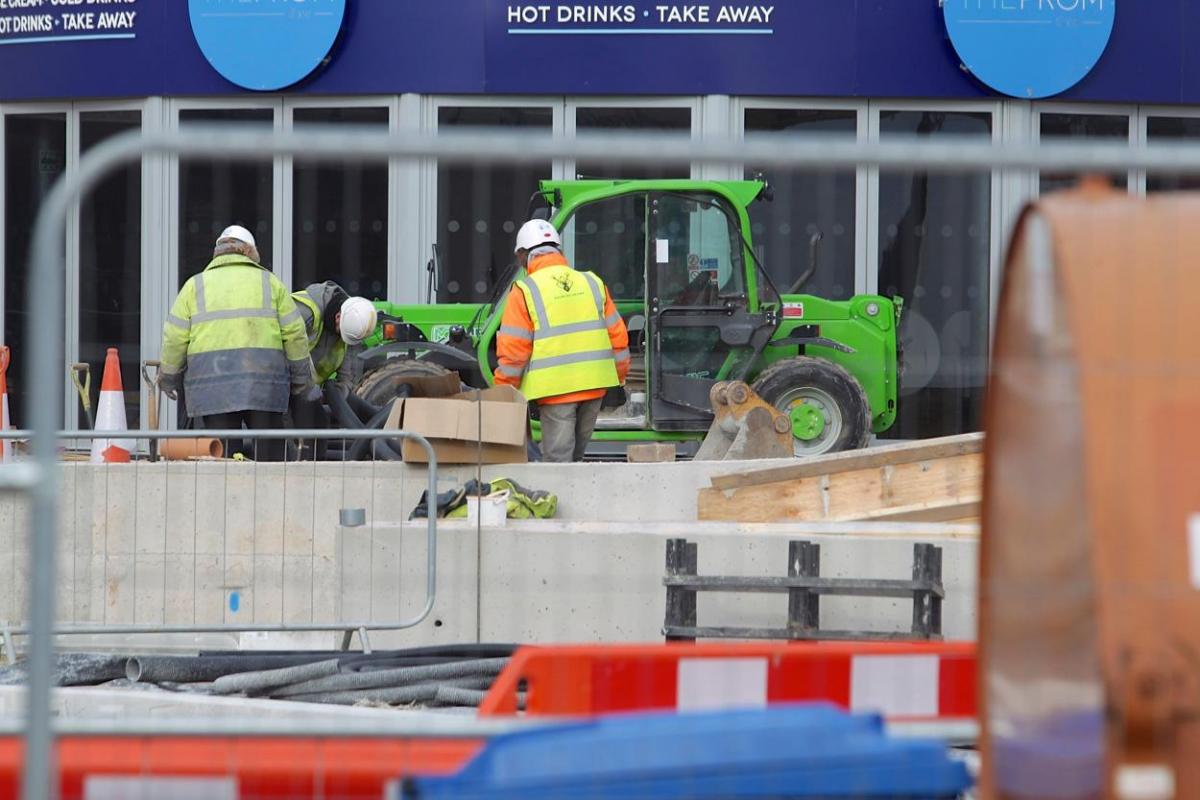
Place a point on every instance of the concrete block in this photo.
(657, 452)
(238, 589)
(270, 502)
(299, 510)
(150, 503)
(10, 571)
(455, 615)
(298, 585)
(210, 600)
(267, 586)
(326, 590)
(117, 489)
(120, 598)
(149, 589)
(207, 509)
(181, 595)
(241, 502)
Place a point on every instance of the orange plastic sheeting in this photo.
(1089, 601)
(264, 768)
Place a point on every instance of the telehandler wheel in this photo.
(828, 407)
(380, 385)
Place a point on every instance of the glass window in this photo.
(110, 261)
(695, 256)
(608, 237)
(934, 252)
(340, 212)
(35, 155)
(812, 218)
(1167, 130)
(481, 206)
(216, 194)
(1094, 127)
(590, 120)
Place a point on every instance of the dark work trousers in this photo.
(310, 414)
(257, 449)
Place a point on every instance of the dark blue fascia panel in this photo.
(833, 48)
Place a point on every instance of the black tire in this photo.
(380, 385)
(837, 395)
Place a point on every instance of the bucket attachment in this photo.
(744, 426)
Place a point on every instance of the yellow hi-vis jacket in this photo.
(235, 334)
(571, 347)
(325, 345)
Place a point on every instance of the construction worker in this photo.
(235, 342)
(353, 319)
(333, 322)
(561, 341)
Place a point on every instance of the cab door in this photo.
(702, 323)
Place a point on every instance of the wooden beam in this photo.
(887, 455)
(849, 495)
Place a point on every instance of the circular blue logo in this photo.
(1030, 48)
(266, 44)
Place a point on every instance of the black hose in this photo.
(360, 407)
(340, 408)
(346, 416)
(359, 449)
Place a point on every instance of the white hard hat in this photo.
(535, 233)
(239, 233)
(358, 320)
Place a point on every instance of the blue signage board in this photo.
(1030, 48)
(78, 49)
(46, 22)
(265, 45)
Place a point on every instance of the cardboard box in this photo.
(486, 427)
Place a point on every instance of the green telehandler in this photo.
(678, 259)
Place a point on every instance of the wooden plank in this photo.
(888, 455)
(947, 511)
(848, 495)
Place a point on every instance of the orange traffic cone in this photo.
(6, 445)
(110, 415)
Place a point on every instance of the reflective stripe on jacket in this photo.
(325, 346)
(571, 348)
(236, 331)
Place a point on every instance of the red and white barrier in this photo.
(110, 415)
(923, 681)
(6, 445)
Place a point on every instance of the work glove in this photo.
(169, 386)
(310, 393)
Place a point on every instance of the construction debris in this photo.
(936, 480)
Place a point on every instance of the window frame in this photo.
(430, 110)
(1135, 182)
(861, 110)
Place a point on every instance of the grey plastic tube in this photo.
(455, 696)
(196, 669)
(401, 676)
(249, 682)
(392, 695)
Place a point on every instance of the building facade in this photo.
(75, 72)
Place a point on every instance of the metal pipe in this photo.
(202, 668)
(401, 676)
(256, 682)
